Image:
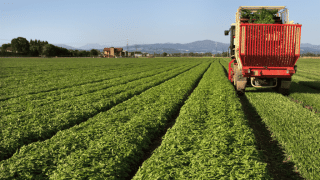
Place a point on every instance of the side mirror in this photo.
(226, 32)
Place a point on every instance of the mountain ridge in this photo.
(201, 46)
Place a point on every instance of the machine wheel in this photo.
(283, 91)
(235, 75)
(248, 82)
(236, 78)
(241, 92)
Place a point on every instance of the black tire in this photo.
(284, 91)
(241, 92)
(236, 77)
(278, 88)
(249, 83)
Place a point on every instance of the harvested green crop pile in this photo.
(262, 16)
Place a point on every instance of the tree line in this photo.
(22, 47)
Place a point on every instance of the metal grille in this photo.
(272, 45)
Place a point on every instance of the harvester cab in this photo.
(264, 50)
(232, 36)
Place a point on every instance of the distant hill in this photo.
(92, 46)
(197, 46)
(67, 47)
(306, 47)
(309, 45)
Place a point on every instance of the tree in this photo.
(49, 50)
(36, 47)
(94, 52)
(164, 54)
(217, 55)
(4, 47)
(224, 54)
(84, 53)
(34, 51)
(20, 45)
(76, 53)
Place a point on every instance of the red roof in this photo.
(116, 49)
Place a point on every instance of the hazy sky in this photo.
(112, 22)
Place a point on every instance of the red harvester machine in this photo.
(263, 55)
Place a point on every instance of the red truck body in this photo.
(265, 51)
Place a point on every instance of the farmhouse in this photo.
(112, 52)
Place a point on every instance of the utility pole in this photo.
(216, 48)
(136, 50)
(127, 48)
(228, 52)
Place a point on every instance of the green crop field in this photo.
(153, 118)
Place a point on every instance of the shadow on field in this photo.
(315, 85)
(225, 71)
(269, 149)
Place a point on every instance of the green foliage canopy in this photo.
(94, 52)
(20, 44)
(262, 16)
(4, 47)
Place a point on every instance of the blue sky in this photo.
(111, 23)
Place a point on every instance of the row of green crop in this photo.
(210, 139)
(305, 95)
(296, 128)
(29, 66)
(23, 103)
(308, 66)
(109, 145)
(308, 74)
(29, 69)
(55, 80)
(76, 70)
(39, 123)
(313, 83)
